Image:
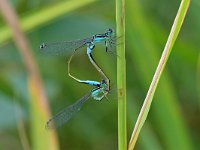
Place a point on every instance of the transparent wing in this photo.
(66, 114)
(63, 48)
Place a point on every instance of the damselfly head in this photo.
(103, 81)
(109, 32)
(43, 45)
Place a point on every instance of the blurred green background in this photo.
(173, 122)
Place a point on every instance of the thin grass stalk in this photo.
(40, 111)
(167, 50)
(121, 74)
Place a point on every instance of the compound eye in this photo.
(103, 81)
(108, 32)
(43, 45)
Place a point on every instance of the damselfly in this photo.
(61, 48)
(65, 115)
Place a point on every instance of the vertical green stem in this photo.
(121, 74)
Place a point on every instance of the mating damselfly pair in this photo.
(101, 89)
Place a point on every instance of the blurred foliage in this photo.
(173, 122)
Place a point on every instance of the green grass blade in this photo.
(171, 39)
(41, 138)
(142, 43)
(41, 17)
